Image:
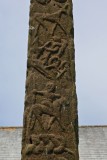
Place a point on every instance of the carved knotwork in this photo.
(48, 60)
(47, 144)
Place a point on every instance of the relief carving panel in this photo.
(50, 125)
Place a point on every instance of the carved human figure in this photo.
(59, 65)
(49, 58)
(51, 105)
(56, 45)
(47, 144)
(50, 17)
(53, 46)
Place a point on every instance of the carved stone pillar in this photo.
(50, 117)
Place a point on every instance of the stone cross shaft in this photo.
(50, 125)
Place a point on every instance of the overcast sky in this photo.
(90, 22)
